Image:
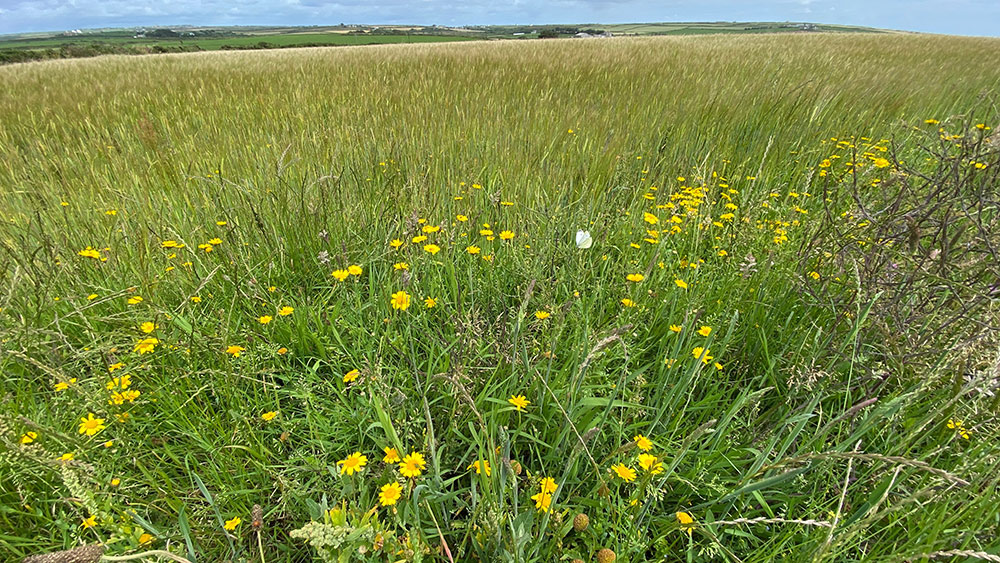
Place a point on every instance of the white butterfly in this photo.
(583, 239)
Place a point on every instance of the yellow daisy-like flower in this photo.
(542, 315)
(643, 443)
(705, 330)
(90, 252)
(543, 501)
(148, 327)
(473, 249)
(675, 328)
(341, 275)
(231, 524)
(430, 302)
(462, 218)
(354, 463)
(354, 270)
(90, 425)
(67, 456)
(506, 235)
(681, 283)
(89, 522)
(390, 493)
(624, 472)
(400, 300)
(285, 311)
(635, 278)
(628, 302)
(400, 266)
(701, 354)
(686, 521)
(650, 464)
(264, 319)
(519, 402)
(391, 455)
(650, 218)
(235, 351)
(412, 465)
(351, 375)
(269, 416)
(549, 485)
(135, 300)
(430, 228)
(146, 538)
(396, 243)
(419, 239)
(481, 466)
(432, 248)
(146, 345)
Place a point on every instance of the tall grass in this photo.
(815, 437)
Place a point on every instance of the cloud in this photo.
(968, 17)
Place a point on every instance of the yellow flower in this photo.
(675, 328)
(231, 524)
(624, 472)
(430, 302)
(264, 319)
(400, 300)
(462, 218)
(519, 402)
(341, 275)
(354, 270)
(351, 375)
(89, 522)
(122, 382)
(542, 315)
(628, 302)
(390, 493)
(354, 463)
(636, 278)
(195, 299)
(430, 228)
(64, 385)
(235, 351)
(472, 249)
(649, 463)
(506, 235)
(115, 482)
(400, 266)
(705, 330)
(412, 465)
(90, 425)
(146, 538)
(880, 162)
(486, 232)
(282, 351)
(701, 354)
(686, 521)
(543, 501)
(29, 437)
(135, 300)
(396, 243)
(931, 121)
(481, 465)
(90, 253)
(146, 345)
(650, 218)
(170, 244)
(67, 456)
(814, 275)
(419, 239)
(549, 485)
(643, 443)
(91, 297)
(285, 311)
(681, 283)
(391, 455)
(269, 416)
(432, 248)
(148, 327)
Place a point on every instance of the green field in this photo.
(227, 276)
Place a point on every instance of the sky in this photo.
(959, 17)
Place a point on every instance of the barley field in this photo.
(717, 298)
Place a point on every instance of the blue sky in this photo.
(960, 17)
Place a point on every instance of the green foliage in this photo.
(724, 311)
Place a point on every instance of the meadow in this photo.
(715, 298)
